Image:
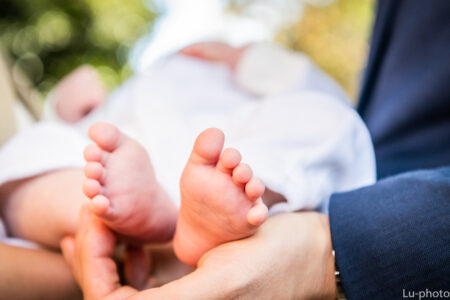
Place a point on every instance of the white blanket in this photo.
(291, 122)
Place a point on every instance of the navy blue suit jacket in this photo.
(394, 237)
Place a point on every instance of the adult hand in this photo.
(90, 257)
(290, 257)
(215, 51)
(165, 266)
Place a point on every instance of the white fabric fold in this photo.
(292, 123)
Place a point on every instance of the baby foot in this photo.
(123, 189)
(220, 200)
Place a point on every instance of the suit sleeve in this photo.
(393, 237)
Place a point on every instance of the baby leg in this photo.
(43, 208)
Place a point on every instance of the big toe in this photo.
(208, 146)
(105, 135)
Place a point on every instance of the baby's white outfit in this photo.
(291, 122)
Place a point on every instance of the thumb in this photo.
(68, 248)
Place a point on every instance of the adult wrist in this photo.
(330, 273)
(340, 294)
(318, 280)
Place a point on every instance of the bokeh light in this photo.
(48, 39)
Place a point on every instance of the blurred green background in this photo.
(49, 38)
(336, 37)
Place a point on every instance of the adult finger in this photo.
(137, 267)
(92, 257)
(68, 250)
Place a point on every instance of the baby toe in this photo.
(93, 170)
(91, 188)
(100, 206)
(106, 136)
(207, 147)
(258, 214)
(92, 153)
(229, 160)
(242, 174)
(254, 189)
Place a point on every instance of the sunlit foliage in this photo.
(49, 38)
(335, 36)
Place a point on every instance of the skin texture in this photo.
(276, 249)
(33, 208)
(135, 205)
(252, 268)
(35, 274)
(73, 103)
(44, 208)
(275, 263)
(222, 52)
(220, 199)
(215, 51)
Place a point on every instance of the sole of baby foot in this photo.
(123, 189)
(220, 199)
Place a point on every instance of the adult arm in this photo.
(394, 237)
(35, 274)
